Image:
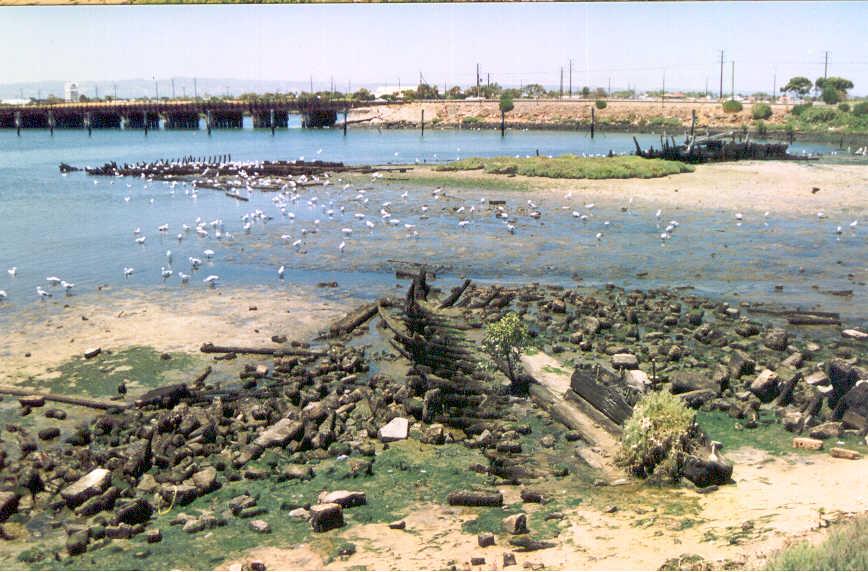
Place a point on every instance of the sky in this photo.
(629, 44)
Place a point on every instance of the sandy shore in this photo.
(776, 186)
(774, 501)
(165, 321)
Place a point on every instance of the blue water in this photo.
(80, 228)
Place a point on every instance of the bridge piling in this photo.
(423, 122)
(51, 123)
(18, 123)
(88, 124)
(271, 121)
(346, 113)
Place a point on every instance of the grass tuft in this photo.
(846, 548)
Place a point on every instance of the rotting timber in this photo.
(727, 146)
(331, 398)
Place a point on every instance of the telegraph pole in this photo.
(610, 87)
(562, 82)
(721, 74)
(774, 84)
(173, 88)
(195, 90)
(733, 79)
(663, 91)
(477, 80)
(826, 66)
(571, 77)
(116, 90)
(156, 89)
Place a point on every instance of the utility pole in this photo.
(156, 89)
(826, 66)
(173, 88)
(562, 82)
(733, 79)
(706, 87)
(311, 84)
(774, 84)
(116, 90)
(663, 90)
(571, 78)
(488, 80)
(477, 80)
(610, 87)
(195, 89)
(721, 74)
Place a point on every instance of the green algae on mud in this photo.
(140, 367)
(769, 435)
(405, 474)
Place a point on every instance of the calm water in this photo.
(80, 228)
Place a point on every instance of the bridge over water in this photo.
(177, 114)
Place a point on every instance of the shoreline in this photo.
(753, 186)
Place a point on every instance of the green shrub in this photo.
(761, 128)
(761, 110)
(799, 109)
(846, 548)
(601, 104)
(471, 121)
(819, 115)
(505, 340)
(844, 107)
(732, 106)
(830, 95)
(657, 436)
(860, 108)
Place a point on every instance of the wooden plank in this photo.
(602, 397)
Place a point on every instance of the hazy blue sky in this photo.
(631, 43)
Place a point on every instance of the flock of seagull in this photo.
(335, 207)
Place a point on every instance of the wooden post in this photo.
(145, 121)
(209, 120)
(87, 123)
(423, 122)
(271, 120)
(346, 113)
(502, 123)
(51, 123)
(18, 123)
(593, 121)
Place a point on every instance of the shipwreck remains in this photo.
(728, 146)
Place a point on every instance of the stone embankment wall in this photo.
(632, 114)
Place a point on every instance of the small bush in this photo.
(761, 110)
(819, 115)
(601, 104)
(860, 108)
(799, 109)
(761, 128)
(505, 340)
(830, 95)
(471, 121)
(846, 548)
(657, 436)
(732, 106)
(844, 107)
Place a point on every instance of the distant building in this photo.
(388, 90)
(71, 91)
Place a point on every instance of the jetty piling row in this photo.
(173, 115)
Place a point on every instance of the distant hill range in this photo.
(136, 88)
